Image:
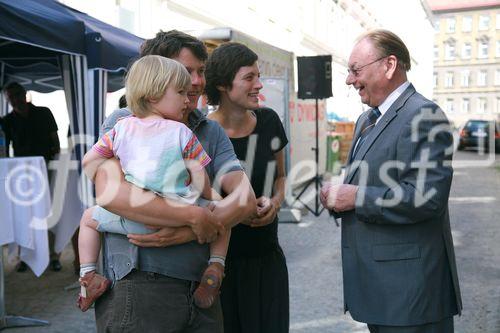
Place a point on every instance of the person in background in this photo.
(32, 131)
(122, 102)
(3, 147)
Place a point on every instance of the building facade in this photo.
(466, 76)
(304, 27)
(301, 27)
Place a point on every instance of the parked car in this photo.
(476, 134)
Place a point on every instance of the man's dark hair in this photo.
(122, 102)
(222, 66)
(15, 88)
(170, 43)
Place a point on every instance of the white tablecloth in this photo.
(25, 206)
(71, 213)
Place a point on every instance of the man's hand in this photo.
(240, 203)
(206, 227)
(165, 236)
(266, 212)
(339, 198)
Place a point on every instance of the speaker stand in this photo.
(317, 180)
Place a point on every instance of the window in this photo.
(481, 78)
(436, 25)
(498, 49)
(436, 52)
(498, 104)
(434, 80)
(497, 77)
(465, 105)
(484, 22)
(466, 51)
(449, 80)
(465, 78)
(467, 24)
(498, 22)
(449, 105)
(450, 24)
(449, 52)
(481, 105)
(482, 50)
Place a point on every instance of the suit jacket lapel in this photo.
(357, 133)
(379, 128)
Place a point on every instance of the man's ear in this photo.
(221, 88)
(392, 65)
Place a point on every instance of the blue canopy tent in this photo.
(46, 46)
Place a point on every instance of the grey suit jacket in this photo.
(397, 257)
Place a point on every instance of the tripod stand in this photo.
(317, 180)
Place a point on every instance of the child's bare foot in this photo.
(208, 290)
(92, 285)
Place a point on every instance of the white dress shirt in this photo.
(393, 96)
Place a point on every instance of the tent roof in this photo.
(34, 32)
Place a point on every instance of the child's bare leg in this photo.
(218, 249)
(92, 284)
(89, 242)
(208, 290)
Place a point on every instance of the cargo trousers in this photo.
(154, 303)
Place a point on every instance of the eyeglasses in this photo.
(355, 71)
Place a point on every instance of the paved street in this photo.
(313, 253)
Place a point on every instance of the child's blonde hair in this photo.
(148, 79)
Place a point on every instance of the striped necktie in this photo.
(366, 128)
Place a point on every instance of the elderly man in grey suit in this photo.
(398, 260)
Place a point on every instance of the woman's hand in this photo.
(164, 237)
(267, 210)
